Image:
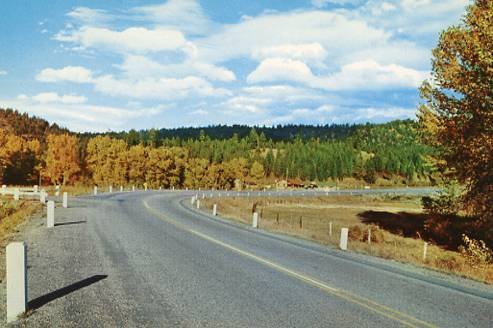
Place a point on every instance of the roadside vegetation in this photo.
(12, 214)
(398, 228)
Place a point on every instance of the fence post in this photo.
(65, 200)
(50, 217)
(16, 267)
(17, 194)
(255, 220)
(344, 236)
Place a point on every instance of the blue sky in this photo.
(117, 65)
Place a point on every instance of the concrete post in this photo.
(330, 228)
(133, 188)
(4, 190)
(50, 217)
(121, 188)
(95, 190)
(17, 194)
(369, 236)
(65, 200)
(203, 196)
(255, 220)
(42, 197)
(110, 189)
(198, 203)
(343, 242)
(214, 209)
(16, 266)
(57, 193)
(35, 188)
(192, 200)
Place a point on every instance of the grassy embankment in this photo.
(397, 227)
(12, 214)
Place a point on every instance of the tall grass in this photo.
(311, 218)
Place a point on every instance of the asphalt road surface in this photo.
(146, 259)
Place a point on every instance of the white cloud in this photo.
(291, 28)
(158, 88)
(3, 72)
(362, 75)
(142, 67)
(133, 39)
(184, 15)
(80, 117)
(90, 16)
(370, 75)
(281, 69)
(308, 52)
(76, 74)
(53, 97)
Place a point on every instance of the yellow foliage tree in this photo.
(62, 158)
(107, 160)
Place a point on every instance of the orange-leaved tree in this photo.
(458, 114)
(62, 158)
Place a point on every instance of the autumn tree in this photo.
(458, 111)
(62, 158)
(196, 173)
(160, 167)
(136, 161)
(257, 172)
(106, 160)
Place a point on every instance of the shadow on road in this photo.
(42, 300)
(69, 223)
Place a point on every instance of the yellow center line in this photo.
(385, 311)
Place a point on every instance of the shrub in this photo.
(476, 252)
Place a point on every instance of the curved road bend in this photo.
(145, 259)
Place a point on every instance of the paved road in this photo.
(145, 259)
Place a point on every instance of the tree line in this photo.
(55, 155)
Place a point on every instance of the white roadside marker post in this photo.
(50, 217)
(65, 200)
(133, 188)
(369, 236)
(121, 188)
(42, 197)
(198, 203)
(35, 189)
(203, 196)
(4, 190)
(16, 267)
(425, 250)
(330, 228)
(343, 242)
(95, 190)
(214, 209)
(17, 194)
(255, 220)
(192, 200)
(110, 189)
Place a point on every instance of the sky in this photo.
(117, 65)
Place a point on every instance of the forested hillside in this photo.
(217, 156)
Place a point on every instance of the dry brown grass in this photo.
(310, 218)
(12, 214)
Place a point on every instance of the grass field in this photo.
(396, 227)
